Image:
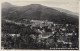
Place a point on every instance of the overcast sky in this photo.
(71, 5)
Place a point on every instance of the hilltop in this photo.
(37, 12)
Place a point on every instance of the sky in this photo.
(71, 5)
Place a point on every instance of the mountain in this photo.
(37, 12)
(7, 5)
(66, 11)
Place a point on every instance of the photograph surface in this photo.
(40, 24)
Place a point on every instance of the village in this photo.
(42, 35)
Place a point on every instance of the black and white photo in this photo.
(40, 25)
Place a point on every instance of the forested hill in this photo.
(37, 12)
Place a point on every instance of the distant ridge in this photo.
(66, 11)
(38, 12)
(7, 5)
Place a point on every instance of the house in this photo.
(68, 34)
(12, 35)
(45, 35)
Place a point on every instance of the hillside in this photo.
(37, 12)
